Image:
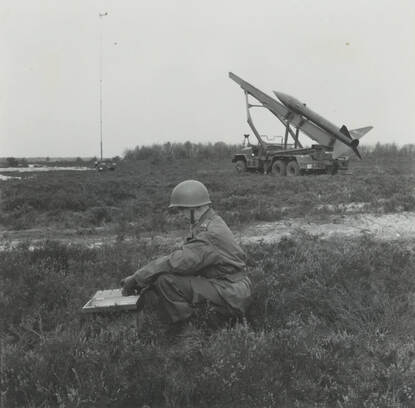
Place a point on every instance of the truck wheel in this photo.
(279, 168)
(240, 166)
(332, 170)
(293, 169)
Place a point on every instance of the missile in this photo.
(341, 134)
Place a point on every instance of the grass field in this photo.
(331, 324)
(134, 199)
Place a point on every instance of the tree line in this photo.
(388, 150)
(219, 150)
(187, 150)
(222, 150)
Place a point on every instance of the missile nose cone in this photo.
(290, 102)
(285, 99)
(280, 95)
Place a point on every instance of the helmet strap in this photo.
(192, 221)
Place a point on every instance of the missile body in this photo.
(341, 134)
(314, 126)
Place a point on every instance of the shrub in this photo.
(330, 324)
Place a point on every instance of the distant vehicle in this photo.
(104, 165)
(330, 154)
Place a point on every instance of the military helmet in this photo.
(189, 194)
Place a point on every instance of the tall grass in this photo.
(331, 324)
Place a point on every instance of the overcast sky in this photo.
(166, 64)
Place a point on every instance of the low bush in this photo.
(331, 324)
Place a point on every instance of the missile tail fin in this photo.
(358, 133)
(353, 142)
(345, 131)
(357, 152)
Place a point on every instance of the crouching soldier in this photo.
(209, 267)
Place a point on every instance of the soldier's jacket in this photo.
(212, 253)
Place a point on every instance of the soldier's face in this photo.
(184, 213)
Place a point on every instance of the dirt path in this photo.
(397, 226)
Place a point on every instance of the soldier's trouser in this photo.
(178, 294)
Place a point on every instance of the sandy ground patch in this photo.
(397, 226)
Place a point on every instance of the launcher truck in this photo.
(287, 156)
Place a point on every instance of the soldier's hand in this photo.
(129, 286)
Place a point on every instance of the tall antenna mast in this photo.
(101, 15)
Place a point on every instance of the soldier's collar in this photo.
(206, 216)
